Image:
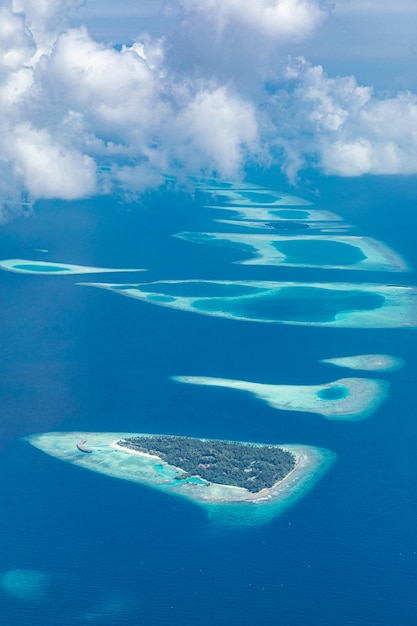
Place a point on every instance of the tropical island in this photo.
(276, 476)
(243, 465)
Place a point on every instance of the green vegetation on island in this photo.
(253, 467)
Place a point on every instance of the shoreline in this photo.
(263, 494)
(115, 445)
(223, 503)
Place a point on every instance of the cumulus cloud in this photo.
(282, 19)
(16, 42)
(217, 93)
(240, 40)
(50, 169)
(344, 128)
(70, 103)
(45, 19)
(215, 125)
(380, 139)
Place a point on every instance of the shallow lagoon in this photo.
(335, 252)
(287, 226)
(344, 305)
(270, 214)
(259, 197)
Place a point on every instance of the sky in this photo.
(104, 97)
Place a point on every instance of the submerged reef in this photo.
(327, 251)
(348, 399)
(257, 196)
(24, 266)
(368, 362)
(345, 305)
(28, 585)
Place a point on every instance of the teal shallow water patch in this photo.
(255, 197)
(321, 253)
(40, 269)
(26, 585)
(161, 299)
(291, 214)
(301, 304)
(265, 214)
(333, 393)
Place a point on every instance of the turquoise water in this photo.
(168, 473)
(164, 471)
(319, 252)
(41, 268)
(309, 304)
(290, 214)
(195, 480)
(204, 289)
(166, 299)
(333, 393)
(259, 198)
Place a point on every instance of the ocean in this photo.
(78, 547)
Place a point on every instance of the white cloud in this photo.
(216, 127)
(376, 7)
(195, 102)
(16, 43)
(45, 19)
(82, 101)
(344, 128)
(381, 138)
(49, 169)
(117, 93)
(280, 19)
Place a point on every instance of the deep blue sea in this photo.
(96, 550)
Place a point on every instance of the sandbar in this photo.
(259, 197)
(227, 504)
(325, 251)
(345, 399)
(339, 305)
(368, 362)
(25, 266)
